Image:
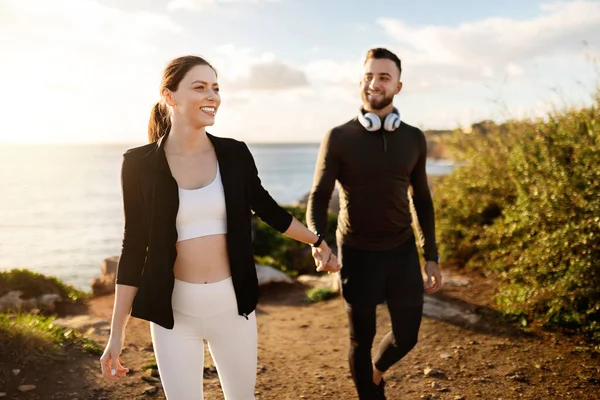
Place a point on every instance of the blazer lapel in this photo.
(231, 184)
(225, 166)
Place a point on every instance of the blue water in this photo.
(61, 211)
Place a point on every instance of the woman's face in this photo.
(197, 99)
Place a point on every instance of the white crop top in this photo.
(202, 211)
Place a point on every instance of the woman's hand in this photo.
(110, 363)
(325, 260)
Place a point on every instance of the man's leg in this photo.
(404, 298)
(362, 324)
(406, 321)
(363, 287)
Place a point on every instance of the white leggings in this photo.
(206, 311)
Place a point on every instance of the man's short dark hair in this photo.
(381, 53)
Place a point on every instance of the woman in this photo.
(187, 263)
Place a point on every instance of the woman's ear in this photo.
(168, 96)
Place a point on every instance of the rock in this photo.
(26, 388)
(109, 265)
(446, 311)
(331, 281)
(16, 371)
(450, 279)
(445, 356)
(150, 390)
(13, 301)
(3, 394)
(434, 373)
(150, 379)
(517, 376)
(267, 274)
(459, 397)
(48, 301)
(210, 372)
(105, 284)
(435, 385)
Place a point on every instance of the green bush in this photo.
(317, 294)
(525, 205)
(35, 284)
(288, 255)
(30, 338)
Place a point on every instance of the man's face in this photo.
(380, 83)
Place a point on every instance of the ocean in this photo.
(61, 210)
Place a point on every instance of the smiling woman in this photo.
(190, 78)
(187, 262)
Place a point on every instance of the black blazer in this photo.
(151, 202)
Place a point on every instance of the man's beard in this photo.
(378, 104)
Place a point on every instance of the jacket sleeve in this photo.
(261, 201)
(135, 238)
(423, 202)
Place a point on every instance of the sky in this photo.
(289, 70)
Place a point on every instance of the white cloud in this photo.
(273, 75)
(317, 95)
(96, 70)
(199, 5)
(335, 72)
(481, 49)
(513, 69)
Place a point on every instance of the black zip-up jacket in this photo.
(151, 203)
(374, 171)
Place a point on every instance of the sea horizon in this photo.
(61, 210)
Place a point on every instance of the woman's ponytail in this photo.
(160, 122)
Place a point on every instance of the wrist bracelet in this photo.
(318, 242)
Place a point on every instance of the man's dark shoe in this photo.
(380, 391)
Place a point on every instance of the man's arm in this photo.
(423, 202)
(325, 175)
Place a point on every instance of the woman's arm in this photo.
(267, 209)
(129, 269)
(109, 362)
(124, 296)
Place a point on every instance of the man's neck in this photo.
(382, 112)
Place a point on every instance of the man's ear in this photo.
(399, 87)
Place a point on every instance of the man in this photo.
(375, 158)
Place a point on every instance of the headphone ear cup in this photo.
(392, 122)
(371, 122)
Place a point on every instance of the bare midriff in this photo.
(202, 260)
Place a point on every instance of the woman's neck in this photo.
(184, 140)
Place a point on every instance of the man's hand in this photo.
(325, 260)
(434, 277)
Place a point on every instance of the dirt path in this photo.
(303, 355)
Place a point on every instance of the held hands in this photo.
(112, 369)
(325, 260)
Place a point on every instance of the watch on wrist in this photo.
(319, 241)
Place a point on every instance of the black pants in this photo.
(370, 278)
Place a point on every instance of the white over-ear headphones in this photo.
(372, 122)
